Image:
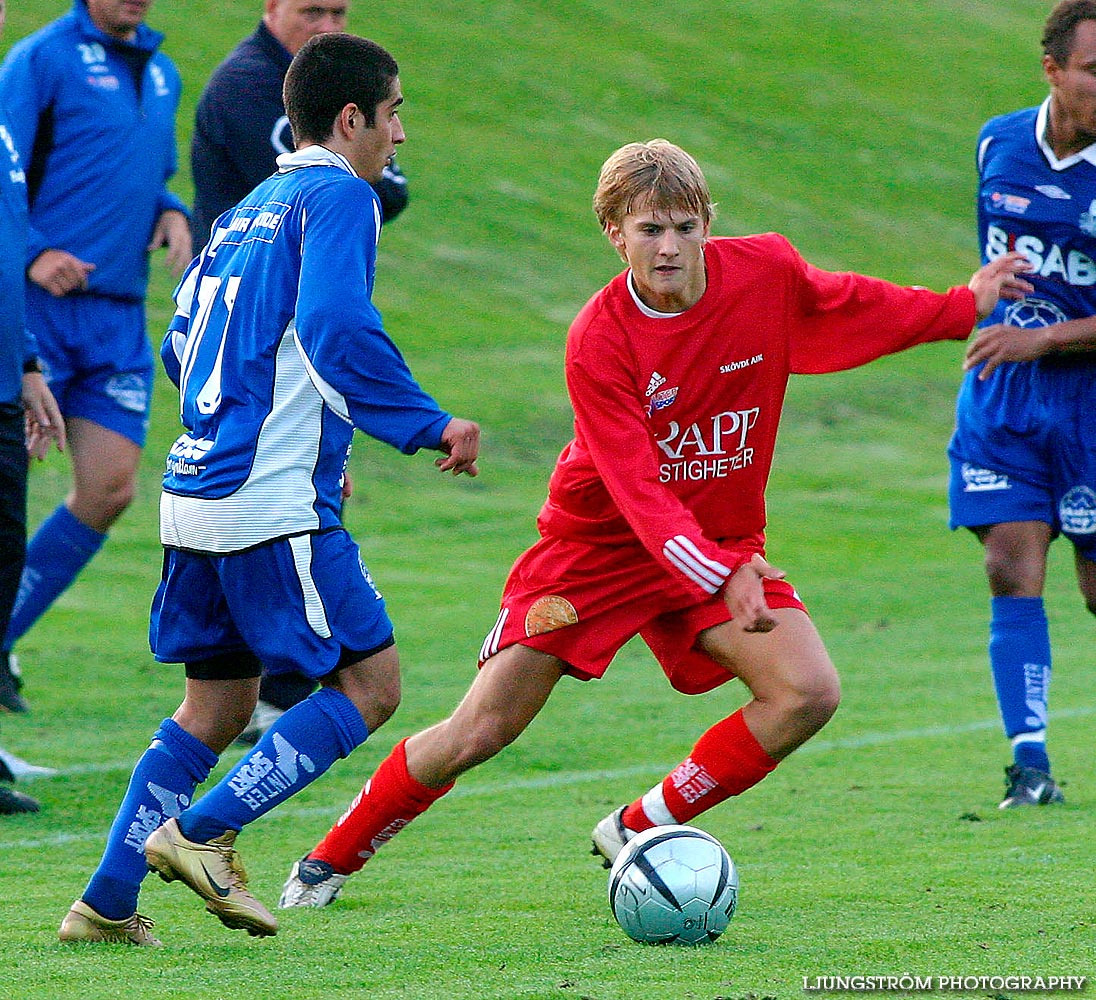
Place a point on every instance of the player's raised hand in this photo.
(744, 595)
(460, 442)
(1000, 279)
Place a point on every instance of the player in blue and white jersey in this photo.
(91, 101)
(279, 355)
(1023, 455)
(240, 128)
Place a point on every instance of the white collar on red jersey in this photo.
(642, 306)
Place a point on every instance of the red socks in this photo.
(387, 803)
(726, 761)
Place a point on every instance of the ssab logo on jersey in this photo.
(1072, 266)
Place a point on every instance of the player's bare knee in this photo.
(809, 704)
(99, 510)
(378, 704)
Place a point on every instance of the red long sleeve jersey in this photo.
(676, 417)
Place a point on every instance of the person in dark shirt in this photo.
(240, 126)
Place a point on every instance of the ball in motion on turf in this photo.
(673, 885)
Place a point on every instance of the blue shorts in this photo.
(97, 358)
(305, 603)
(1024, 449)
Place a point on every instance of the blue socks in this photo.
(1019, 656)
(60, 548)
(296, 750)
(160, 788)
(299, 747)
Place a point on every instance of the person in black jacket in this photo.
(240, 128)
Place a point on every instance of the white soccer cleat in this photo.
(312, 882)
(610, 836)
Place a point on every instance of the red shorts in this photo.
(581, 602)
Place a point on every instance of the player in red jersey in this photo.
(655, 517)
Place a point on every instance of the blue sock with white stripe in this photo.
(297, 749)
(1019, 655)
(61, 547)
(161, 787)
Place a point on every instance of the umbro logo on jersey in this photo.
(656, 381)
(1053, 191)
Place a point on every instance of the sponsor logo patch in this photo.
(548, 614)
(130, 392)
(1014, 204)
(734, 366)
(1077, 511)
(663, 398)
(977, 480)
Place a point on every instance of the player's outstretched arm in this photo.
(460, 442)
(1000, 279)
(744, 595)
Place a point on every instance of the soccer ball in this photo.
(673, 884)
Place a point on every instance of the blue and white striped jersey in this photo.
(279, 353)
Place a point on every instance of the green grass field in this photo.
(878, 848)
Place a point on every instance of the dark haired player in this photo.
(1023, 456)
(279, 354)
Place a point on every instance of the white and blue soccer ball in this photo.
(673, 885)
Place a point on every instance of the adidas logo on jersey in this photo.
(656, 381)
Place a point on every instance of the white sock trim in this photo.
(654, 805)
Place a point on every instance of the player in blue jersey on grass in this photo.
(240, 128)
(279, 354)
(91, 103)
(1023, 455)
(29, 418)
